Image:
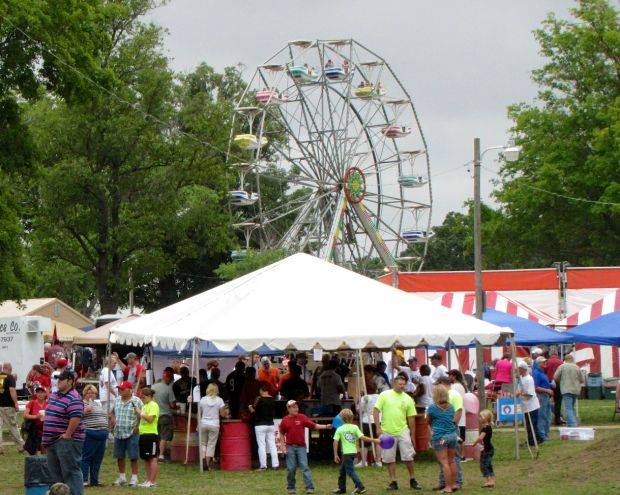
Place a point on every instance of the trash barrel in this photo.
(37, 478)
(236, 446)
(594, 386)
(422, 433)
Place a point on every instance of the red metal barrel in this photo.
(235, 446)
(422, 433)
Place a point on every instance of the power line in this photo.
(133, 106)
(565, 196)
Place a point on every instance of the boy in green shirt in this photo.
(348, 435)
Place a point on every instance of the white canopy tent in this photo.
(303, 302)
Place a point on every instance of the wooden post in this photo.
(368, 412)
(513, 352)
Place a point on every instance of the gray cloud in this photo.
(463, 62)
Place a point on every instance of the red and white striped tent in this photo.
(531, 294)
(602, 359)
(465, 302)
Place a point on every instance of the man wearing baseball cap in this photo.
(293, 427)
(132, 370)
(165, 398)
(64, 434)
(125, 419)
(529, 403)
(61, 365)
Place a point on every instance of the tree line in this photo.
(113, 167)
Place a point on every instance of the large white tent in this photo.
(302, 302)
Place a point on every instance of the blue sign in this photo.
(506, 409)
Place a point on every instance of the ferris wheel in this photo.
(331, 123)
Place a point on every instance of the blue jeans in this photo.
(92, 455)
(347, 467)
(543, 416)
(63, 462)
(296, 456)
(569, 401)
(486, 464)
(459, 469)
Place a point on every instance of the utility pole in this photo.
(561, 267)
(130, 292)
(478, 269)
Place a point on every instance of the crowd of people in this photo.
(73, 429)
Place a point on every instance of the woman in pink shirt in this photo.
(503, 374)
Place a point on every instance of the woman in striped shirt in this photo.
(96, 425)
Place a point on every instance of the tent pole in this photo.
(190, 401)
(358, 368)
(372, 445)
(108, 358)
(152, 357)
(513, 351)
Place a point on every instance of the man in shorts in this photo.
(125, 417)
(398, 412)
(165, 398)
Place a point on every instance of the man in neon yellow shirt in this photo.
(398, 412)
(149, 439)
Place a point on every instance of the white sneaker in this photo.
(133, 482)
(360, 464)
(378, 464)
(146, 484)
(120, 482)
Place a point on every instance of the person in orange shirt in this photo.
(269, 375)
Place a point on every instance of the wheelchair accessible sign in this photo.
(506, 409)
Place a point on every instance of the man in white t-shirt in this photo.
(440, 370)
(107, 386)
(526, 390)
(412, 370)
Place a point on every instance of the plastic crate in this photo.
(576, 433)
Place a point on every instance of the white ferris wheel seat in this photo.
(412, 181)
(335, 73)
(249, 141)
(396, 131)
(368, 92)
(268, 97)
(303, 74)
(238, 254)
(242, 198)
(416, 236)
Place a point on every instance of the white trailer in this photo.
(21, 343)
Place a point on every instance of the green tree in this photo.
(128, 183)
(253, 261)
(571, 149)
(35, 36)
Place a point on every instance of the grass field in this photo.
(573, 467)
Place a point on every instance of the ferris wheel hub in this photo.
(354, 185)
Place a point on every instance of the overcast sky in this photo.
(463, 61)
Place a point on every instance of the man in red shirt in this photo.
(553, 363)
(133, 369)
(293, 427)
(269, 375)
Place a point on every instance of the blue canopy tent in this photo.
(604, 330)
(526, 332)
(208, 350)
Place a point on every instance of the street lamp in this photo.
(511, 154)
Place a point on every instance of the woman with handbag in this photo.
(33, 420)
